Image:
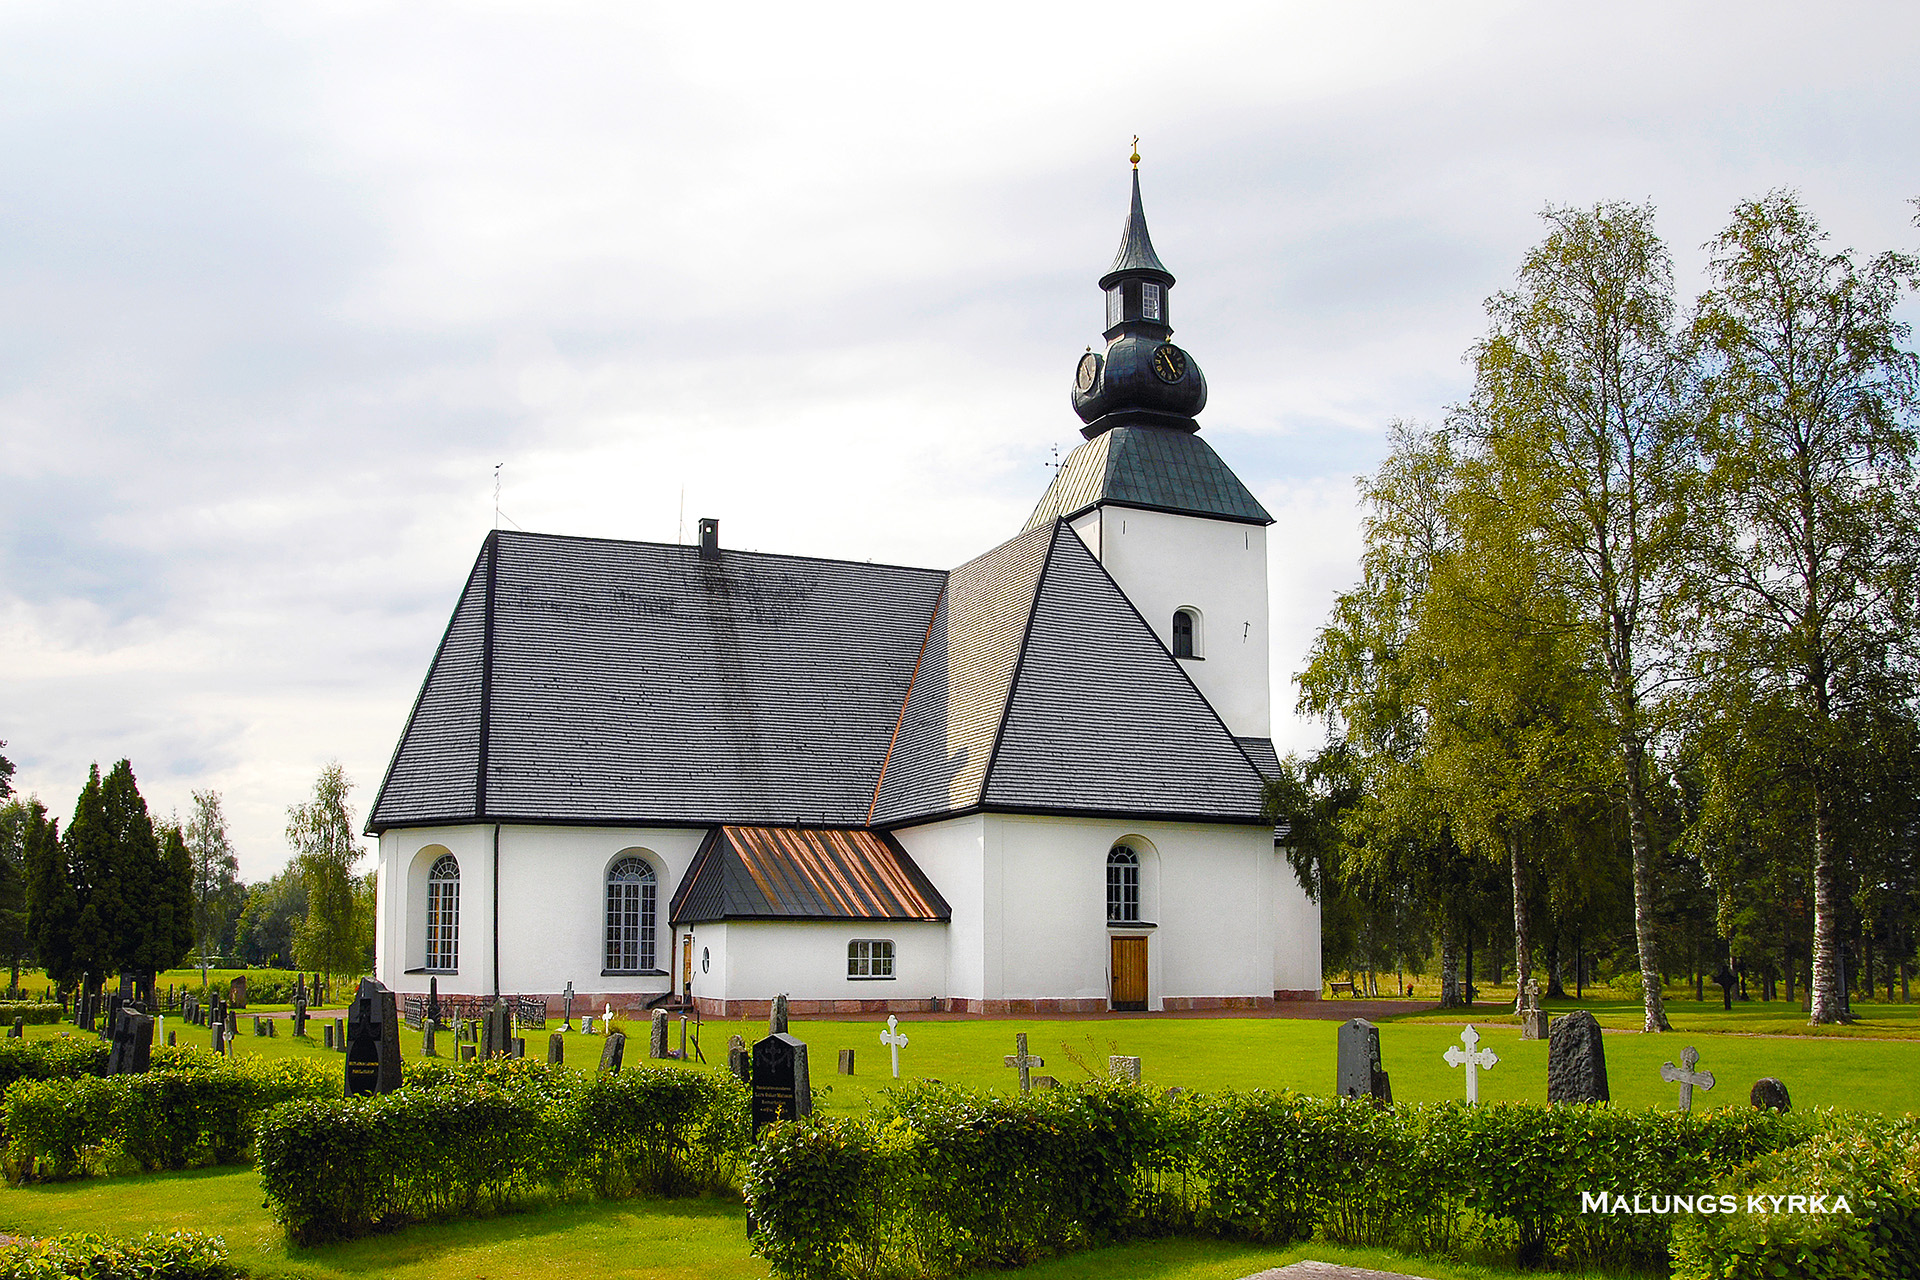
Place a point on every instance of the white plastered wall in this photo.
(552, 905)
(1217, 568)
(953, 855)
(807, 960)
(1296, 953)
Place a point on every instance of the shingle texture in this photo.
(802, 873)
(637, 683)
(1160, 468)
(1264, 757)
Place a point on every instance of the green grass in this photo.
(1874, 1020)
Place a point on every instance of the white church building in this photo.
(1030, 784)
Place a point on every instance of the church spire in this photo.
(1143, 379)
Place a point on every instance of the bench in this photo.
(1334, 988)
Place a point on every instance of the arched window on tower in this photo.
(1123, 885)
(1183, 629)
(443, 915)
(632, 905)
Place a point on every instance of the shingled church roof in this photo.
(638, 684)
(1155, 468)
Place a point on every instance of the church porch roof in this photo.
(804, 873)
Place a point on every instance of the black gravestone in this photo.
(18, 1029)
(326, 1038)
(219, 1037)
(556, 1049)
(433, 1002)
(496, 1031)
(132, 1044)
(373, 1041)
(1576, 1060)
(112, 1020)
(614, 1050)
(300, 1005)
(781, 1089)
(1361, 1075)
(1769, 1094)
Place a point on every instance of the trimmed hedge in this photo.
(33, 1014)
(62, 1058)
(941, 1182)
(458, 1140)
(1876, 1164)
(177, 1255)
(192, 1108)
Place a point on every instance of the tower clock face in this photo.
(1088, 373)
(1170, 362)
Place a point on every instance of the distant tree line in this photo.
(1627, 685)
(116, 892)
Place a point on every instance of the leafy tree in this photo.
(1576, 414)
(322, 833)
(215, 870)
(1811, 440)
(265, 926)
(6, 775)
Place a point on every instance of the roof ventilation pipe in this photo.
(709, 538)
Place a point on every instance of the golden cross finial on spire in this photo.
(1136, 151)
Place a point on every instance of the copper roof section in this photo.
(804, 873)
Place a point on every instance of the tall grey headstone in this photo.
(846, 1062)
(496, 1031)
(1360, 1072)
(777, 1016)
(740, 1062)
(1576, 1060)
(1533, 1018)
(614, 1050)
(556, 1049)
(657, 1036)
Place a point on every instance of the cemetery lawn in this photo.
(1874, 1019)
(621, 1240)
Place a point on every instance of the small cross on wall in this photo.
(1024, 1061)
(1473, 1058)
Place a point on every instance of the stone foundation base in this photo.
(711, 1007)
(1197, 1004)
(1313, 994)
(960, 1004)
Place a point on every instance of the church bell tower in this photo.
(1176, 529)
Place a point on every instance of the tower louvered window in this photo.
(443, 915)
(1183, 634)
(1123, 885)
(632, 901)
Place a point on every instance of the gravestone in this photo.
(1576, 1060)
(1043, 1083)
(1533, 1019)
(1023, 1061)
(259, 1026)
(556, 1049)
(777, 1016)
(233, 1024)
(1360, 1072)
(1770, 1095)
(1686, 1077)
(373, 1040)
(586, 1024)
(237, 992)
(1122, 1067)
(18, 1029)
(219, 1037)
(132, 1044)
(740, 1062)
(427, 1033)
(894, 1039)
(657, 1036)
(112, 1020)
(466, 1053)
(326, 1038)
(170, 1042)
(300, 1005)
(846, 1062)
(614, 1050)
(272, 1023)
(519, 1046)
(781, 1087)
(433, 1002)
(496, 1031)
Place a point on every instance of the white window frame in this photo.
(1123, 884)
(443, 915)
(632, 916)
(1149, 300)
(870, 960)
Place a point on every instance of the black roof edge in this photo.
(737, 551)
(1172, 511)
(1041, 811)
(660, 824)
(420, 696)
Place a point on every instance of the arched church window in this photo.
(1123, 884)
(1183, 633)
(632, 908)
(443, 915)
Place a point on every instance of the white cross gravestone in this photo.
(1023, 1060)
(1686, 1077)
(895, 1039)
(1474, 1059)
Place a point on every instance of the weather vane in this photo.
(1136, 151)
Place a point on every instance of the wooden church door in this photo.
(686, 967)
(1129, 973)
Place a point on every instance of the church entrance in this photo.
(1129, 973)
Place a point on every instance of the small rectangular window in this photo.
(1150, 300)
(870, 958)
(1116, 306)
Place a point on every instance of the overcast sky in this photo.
(280, 285)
